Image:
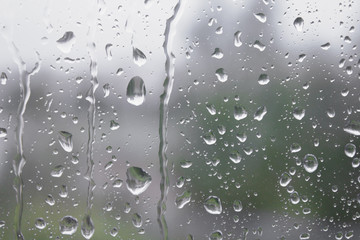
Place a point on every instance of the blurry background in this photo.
(258, 85)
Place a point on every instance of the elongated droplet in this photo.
(260, 113)
(218, 54)
(213, 205)
(299, 24)
(326, 46)
(221, 75)
(285, 179)
(66, 42)
(65, 140)
(211, 109)
(137, 180)
(237, 40)
(139, 57)
(261, 17)
(235, 157)
(114, 125)
(258, 45)
(353, 128)
(217, 235)
(136, 220)
(106, 89)
(3, 78)
(68, 225)
(108, 48)
(57, 171)
(183, 199)
(136, 91)
(87, 227)
(237, 205)
(310, 163)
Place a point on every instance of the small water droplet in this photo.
(136, 220)
(108, 48)
(330, 112)
(3, 132)
(185, 163)
(263, 79)
(136, 91)
(209, 138)
(213, 205)
(65, 140)
(221, 75)
(117, 183)
(57, 171)
(211, 109)
(50, 200)
(68, 225)
(217, 235)
(139, 57)
(237, 205)
(3, 78)
(183, 199)
(325, 46)
(299, 24)
(106, 89)
(237, 40)
(241, 137)
(66, 42)
(350, 150)
(310, 163)
(285, 179)
(119, 71)
(87, 227)
(260, 113)
(261, 17)
(299, 113)
(137, 180)
(294, 198)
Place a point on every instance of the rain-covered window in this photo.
(179, 119)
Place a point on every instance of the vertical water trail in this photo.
(164, 110)
(87, 226)
(20, 160)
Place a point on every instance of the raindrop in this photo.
(40, 223)
(355, 162)
(353, 128)
(237, 40)
(108, 48)
(294, 198)
(117, 183)
(50, 200)
(119, 71)
(3, 78)
(260, 113)
(209, 138)
(211, 109)
(136, 220)
(217, 235)
(57, 171)
(235, 157)
(137, 180)
(299, 113)
(237, 205)
(241, 137)
(261, 17)
(114, 232)
(213, 205)
(114, 125)
(299, 24)
(218, 54)
(330, 112)
(239, 113)
(295, 147)
(258, 45)
(350, 150)
(325, 46)
(106, 89)
(68, 225)
(3, 132)
(87, 227)
(285, 179)
(263, 79)
(139, 57)
(183, 199)
(135, 93)
(310, 163)
(221, 129)
(221, 75)
(66, 42)
(65, 140)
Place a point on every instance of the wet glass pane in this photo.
(151, 119)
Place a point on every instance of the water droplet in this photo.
(117, 183)
(299, 24)
(40, 223)
(295, 147)
(136, 220)
(65, 140)
(218, 54)
(237, 40)
(305, 236)
(258, 45)
(241, 137)
(87, 227)
(285, 179)
(353, 128)
(260, 113)
(106, 89)
(3, 78)
(310, 163)
(183, 199)
(50, 200)
(221, 75)
(2, 224)
(213, 205)
(350, 150)
(63, 191)
(114, 125)
(325, 46)
(217, 235)
(330, 112)
(119, 71)
(68, 225)
(211, 109)
(185, 163)
(261, 17)
(239, 113)
(135, 93)
(3, 132)
(302, 57)
(299, 113)
(209, 138)
(294, 198)
(355, 162)
(108, 48)
(137, 180)
(66, 42)
(114, 232)
(237, 205)
(235, 157)
(57, 171)
(139, 57)
(221, 129)
(263, 79)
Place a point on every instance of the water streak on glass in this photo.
(164, 110)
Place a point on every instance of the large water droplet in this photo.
(330, 112)
(263, 79)
(218, 54)
(65, 140)
(285, 179)
(350, 150)
(299, 113)
(40, 223)
(87, 227)
(237, 205)
(137, 180)
(139, 57)
(326, 46)
(235, 157)
(3, 78)
(3, 132)
(213, 205)
(66, 42)
(209, 138)
(260, 113)
(299, 24)
(237, 40)
(239, 113)
(261, 17)
(353, 128)
(57, 171)
(221, 75)
(294, 198)
(295, 147)
(183, 199)
(217, 235)
(310, 163)
(135, 93)
(211, 109)
(68, 225)
(258, 45)
(136, 220)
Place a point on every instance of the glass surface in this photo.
(179, 119)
